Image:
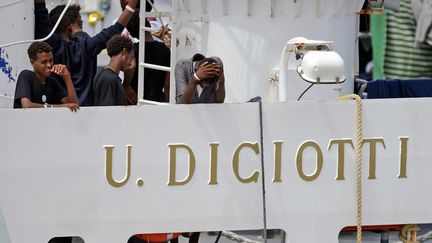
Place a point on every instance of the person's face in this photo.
(43, 64)
(128, 60)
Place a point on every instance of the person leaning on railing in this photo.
(200, 80)
(37, 88)
(107, 85)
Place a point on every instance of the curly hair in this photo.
(73, 13)
(38, 47)
(54, 15)
(117, 44)
(71, 16)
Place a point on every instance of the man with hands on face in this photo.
(37, 89)
(200, 80)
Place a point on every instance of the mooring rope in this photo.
(359, 139)
(425, 237)
(235, 237)
(263, 174)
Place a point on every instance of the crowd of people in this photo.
(65, 65)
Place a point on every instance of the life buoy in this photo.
(157, 238)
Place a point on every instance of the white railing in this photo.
(143, 64)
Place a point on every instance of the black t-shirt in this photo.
(29, 86)
(155, 53)
(107, 89)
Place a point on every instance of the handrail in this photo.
(156, 67)
(143, 65)
(155, 9)
(45, 38)
(151, 102)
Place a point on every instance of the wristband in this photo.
(196, 77)
(130, 9)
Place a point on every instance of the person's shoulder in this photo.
(107, 75)
(184, 62)
(26, 74)
(79, 39)
(81, 34)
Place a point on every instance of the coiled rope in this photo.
(359, 139)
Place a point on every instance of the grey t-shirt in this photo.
(184, 71)
(107, 89)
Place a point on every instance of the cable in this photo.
(45, 38)
(304, 92)
(358, 148)
(263, 175)
(218, 236)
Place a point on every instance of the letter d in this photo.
(173, 161)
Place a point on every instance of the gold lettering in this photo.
(109, 165)
(403, 157)
(213, 163)
(278, 161)
(341, 155)
(173, 161)
(299, 160)
(372, 154)
(255, 174)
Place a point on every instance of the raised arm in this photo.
(71, 100)
(26, 103)
(97, 43)
(184, 88)
(42, 24)
(126, 15)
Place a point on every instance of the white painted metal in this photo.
(15, 16)
(141, 55)
(174, 31)
(157, 67)
(54, 184)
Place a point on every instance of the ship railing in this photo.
(142, 64)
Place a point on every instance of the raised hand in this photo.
(132, 3)
(220, 72)
(61, 70)
(207, 70)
